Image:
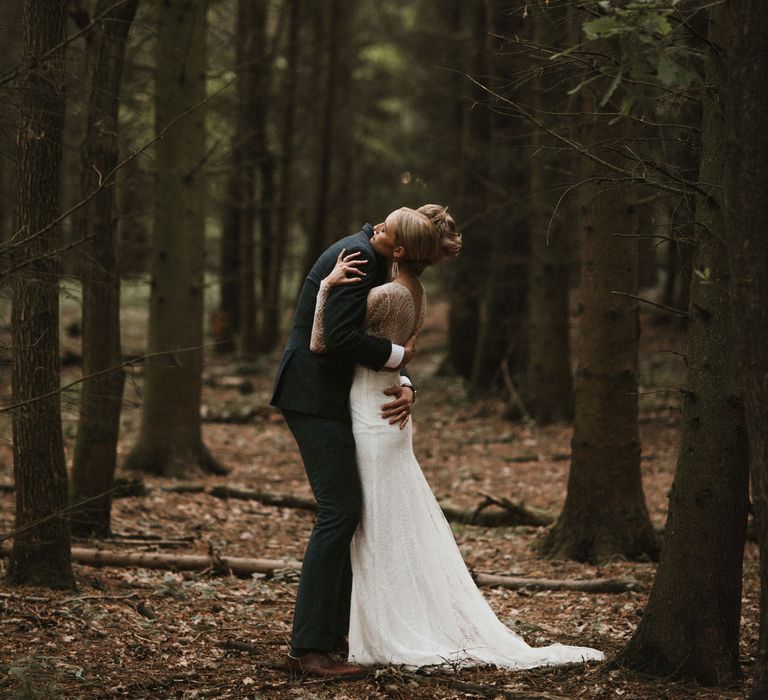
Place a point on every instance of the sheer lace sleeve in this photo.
(317, 342)
(390, 314)
(378, 310)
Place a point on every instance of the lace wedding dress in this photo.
(413, 600)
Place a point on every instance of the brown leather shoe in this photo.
(319, 665)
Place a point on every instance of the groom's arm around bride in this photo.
(319, 384)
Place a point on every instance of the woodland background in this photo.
(592, 377)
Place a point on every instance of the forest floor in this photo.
(139, 633)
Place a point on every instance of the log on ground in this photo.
(245, 566)
(507, 513)
(240, 566)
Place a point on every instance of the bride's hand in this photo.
(346, 264)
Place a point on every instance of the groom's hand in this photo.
(399, 410)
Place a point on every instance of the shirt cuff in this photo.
(404, 381)
(396, 356)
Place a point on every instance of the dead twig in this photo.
(678, 312)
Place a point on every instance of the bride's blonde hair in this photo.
(428, 235)
(449, 239)
(419, 237)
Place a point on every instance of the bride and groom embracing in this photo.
(382, 579)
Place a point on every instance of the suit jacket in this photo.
(319, 384)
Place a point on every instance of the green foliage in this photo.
(647, 44)
(377, 58)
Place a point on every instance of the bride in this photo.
(413, 600)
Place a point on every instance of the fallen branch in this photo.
(25, 598)
(241, 646)
(239, 566)
(148, 538)
(242, 566)
(511, 513)
(597, 585)
(268, 499)
(486, 691)
(184, 488)
(514, 395)
(147, 543)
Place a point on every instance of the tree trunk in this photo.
(284, 218)
(41, 555)
(170, 442)
(93, 466)
(550, 385)
(690, 627)
(228, 319)
(746, 182)
(252, 105)
(482, 169)
(478, 329)
(462, 295)
(261, 100)
(269, 327)
(328, 24)
(605, 513)
(10, 51)
(488, 293)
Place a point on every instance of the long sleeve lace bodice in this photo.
(391, 314)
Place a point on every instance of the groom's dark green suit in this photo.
(313, 392)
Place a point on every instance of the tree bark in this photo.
(605, 513)
(489, 290)
(41, 555)
(252, 105)
(487, 282)
(269, 325)
(11, 20)
(261, 103)
(331, 21)
(473, 295)
(746, 182)
(285, 207)
(462, 295)
(170, 440)
(690, 627)
(228, 320)
(550, 384)
(95, 457)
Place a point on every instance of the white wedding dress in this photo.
(413, 600)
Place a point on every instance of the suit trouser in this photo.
(327, 448)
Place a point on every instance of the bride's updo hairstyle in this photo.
(449, 239)
(419, 237)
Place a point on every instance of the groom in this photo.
(313, 392)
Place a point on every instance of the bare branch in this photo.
(688, 188)
(106, 181)
(10, 76)
(127, 363)
(652, 303)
